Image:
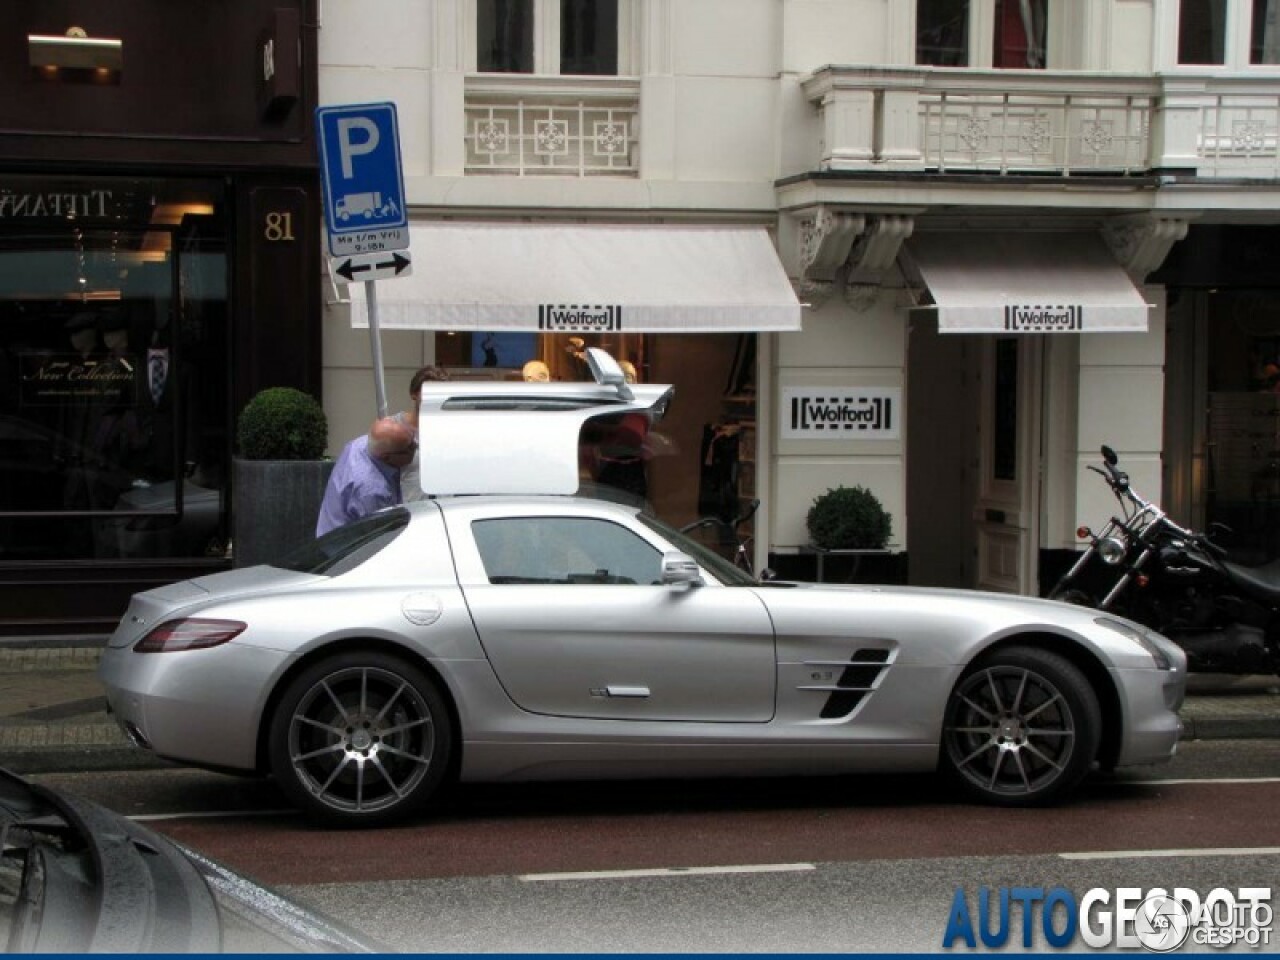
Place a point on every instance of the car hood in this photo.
(82, 879)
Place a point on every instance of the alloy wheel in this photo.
(361, 739)
(1011, 732)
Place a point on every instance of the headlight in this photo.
(1141, 637)
(1112, 550)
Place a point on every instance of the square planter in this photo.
(275, 506)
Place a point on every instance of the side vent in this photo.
(857, 678)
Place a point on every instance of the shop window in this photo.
(1243, 437)
(570, 37)
(946, 31)
(113, 360)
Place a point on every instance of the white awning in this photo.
(586, 278)
(1026, 283)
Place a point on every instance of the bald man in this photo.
(366, 477)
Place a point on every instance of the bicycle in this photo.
(729, 533)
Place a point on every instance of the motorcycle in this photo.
(1144, 566)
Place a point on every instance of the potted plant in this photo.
(280, 474)
(848, 519)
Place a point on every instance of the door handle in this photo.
(637, 693)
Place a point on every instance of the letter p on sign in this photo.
(349, 147)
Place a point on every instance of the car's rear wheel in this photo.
(360, 738)
(1022, 728)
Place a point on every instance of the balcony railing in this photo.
(1009, 132)
(548, 126)
(1239, 134)
(1046, 122)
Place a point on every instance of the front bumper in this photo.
(1150, 700)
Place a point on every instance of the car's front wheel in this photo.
(1022, 728)
(360, 738)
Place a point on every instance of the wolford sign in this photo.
(841, 413)
(575, 318)
(1038, 318)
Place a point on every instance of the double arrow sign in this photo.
(372, 266)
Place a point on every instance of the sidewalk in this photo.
(53, 713)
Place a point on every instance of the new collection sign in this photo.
(841, 413)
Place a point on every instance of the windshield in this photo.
(348, 546)
(720, 568)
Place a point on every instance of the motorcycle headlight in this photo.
(1112, 550)
(1141, 637)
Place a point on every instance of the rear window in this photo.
(348, 546)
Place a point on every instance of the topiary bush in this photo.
(846, 518)
(281, 423)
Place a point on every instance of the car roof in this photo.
(520, 438)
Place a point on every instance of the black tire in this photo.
(1022, 728)
(361, 739)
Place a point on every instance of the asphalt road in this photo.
(864, 864)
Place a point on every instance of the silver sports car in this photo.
(507, 629)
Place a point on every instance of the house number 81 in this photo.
(279, 227)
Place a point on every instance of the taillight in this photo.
(194, 633)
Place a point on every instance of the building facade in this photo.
(975, 200)
(159, 249)
(942, 249)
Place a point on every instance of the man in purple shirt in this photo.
(366, 477)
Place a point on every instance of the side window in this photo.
(564, 550)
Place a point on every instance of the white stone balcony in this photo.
(528, 126)
(1017, 121)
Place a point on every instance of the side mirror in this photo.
(680, 568)
(1109, 455)
(606, 372)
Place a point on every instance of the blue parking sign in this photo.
(364, 202)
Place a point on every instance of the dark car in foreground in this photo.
(78, 878)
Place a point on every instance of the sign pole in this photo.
(364, 205)
(375, 346)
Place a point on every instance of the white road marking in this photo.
(669, 872)
(1206, 852)
(1208, 780)
(210, 814)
